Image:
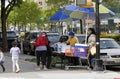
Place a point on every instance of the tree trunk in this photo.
(3, 24)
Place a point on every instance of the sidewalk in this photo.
(28, 71)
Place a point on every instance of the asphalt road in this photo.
(114, 68)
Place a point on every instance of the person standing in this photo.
(15, 51)
(49, 53)
(91, 41)
(72, 41)
(2, 59)
(41, 49)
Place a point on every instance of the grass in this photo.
(54, 59)
(31, 60)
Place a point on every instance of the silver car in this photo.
(109, 51)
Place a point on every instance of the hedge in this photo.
(114, 36)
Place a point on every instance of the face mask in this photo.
(43, 35)
(88, 33)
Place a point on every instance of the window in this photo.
(40, 3)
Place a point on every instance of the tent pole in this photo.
(81, 28)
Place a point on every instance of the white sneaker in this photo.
(45, 68)
(18, 71)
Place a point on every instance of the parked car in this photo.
(11, 36)
(81, 38)
(29, 48)
(109, 49)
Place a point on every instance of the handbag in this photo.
(93, 50)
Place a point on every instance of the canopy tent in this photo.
(84, 13)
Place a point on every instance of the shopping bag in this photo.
(93, 50)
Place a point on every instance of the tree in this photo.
(27, 13)
(5, 10)
(111, 4)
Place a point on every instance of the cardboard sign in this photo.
(69, 52)
(62, 48)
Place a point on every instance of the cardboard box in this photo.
(62, 47)
(70, 52)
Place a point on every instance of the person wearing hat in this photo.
(72, 41)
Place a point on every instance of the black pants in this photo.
(41, 55)
(49, 54)
(1, 63)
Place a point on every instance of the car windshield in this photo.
(33, 35)
(53, 38)
(81, 39)
(106, 44)
(11, 34)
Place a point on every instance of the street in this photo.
(28, 70)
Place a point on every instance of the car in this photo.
(109, 49)
(81, 38)
(31, 36)
(11, 36)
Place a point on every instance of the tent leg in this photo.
(81, 27)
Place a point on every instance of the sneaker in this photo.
(17, 71)
(45, 68)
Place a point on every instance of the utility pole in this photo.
(98, 61)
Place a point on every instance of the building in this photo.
(42, 3)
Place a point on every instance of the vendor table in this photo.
(79, 51)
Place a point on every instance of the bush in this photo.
(114, 36)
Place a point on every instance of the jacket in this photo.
(41, 41)
(92, 40)
(2, 57)
(72, 41)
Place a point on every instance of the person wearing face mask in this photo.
(72, 41)
(91, 41)
(41, 49)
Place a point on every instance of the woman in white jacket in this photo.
(91, 41)
(2, 59)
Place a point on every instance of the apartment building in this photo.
(42, 3)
